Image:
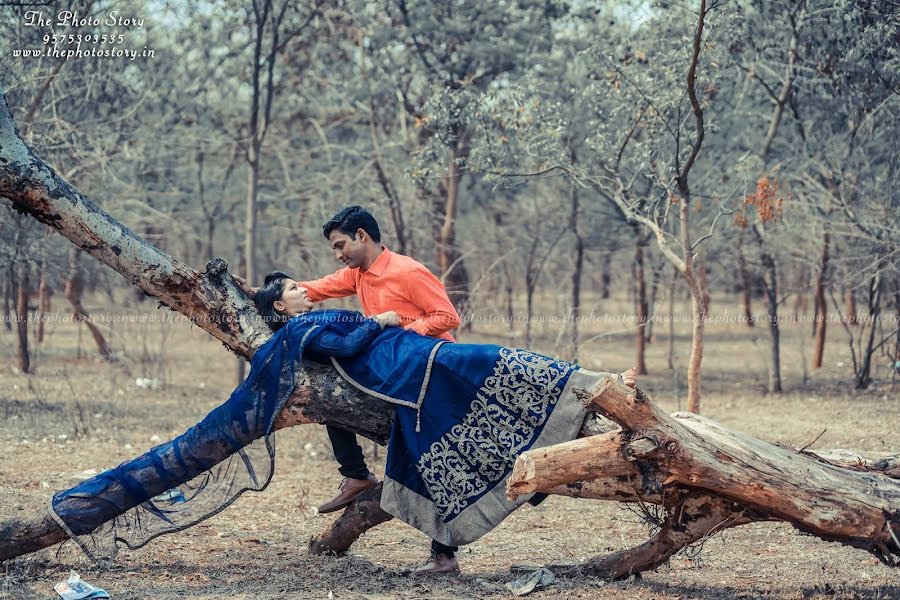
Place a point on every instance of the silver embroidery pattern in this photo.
(503, 420)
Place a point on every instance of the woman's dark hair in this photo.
(352, 219)
(265, 299)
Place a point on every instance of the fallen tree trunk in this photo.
(362, 515)
(708, 478)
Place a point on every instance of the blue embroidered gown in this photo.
(464, 413)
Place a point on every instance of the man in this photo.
(383, 281)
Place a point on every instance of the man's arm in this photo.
(337, 285)
(428, 293)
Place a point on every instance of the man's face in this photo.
(350, 250)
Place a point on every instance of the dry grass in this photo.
(78, 414)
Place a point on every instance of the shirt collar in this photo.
(381, 263)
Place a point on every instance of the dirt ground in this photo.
(78, 413)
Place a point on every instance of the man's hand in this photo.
(387, 318)
(628, 377)
(245, 287)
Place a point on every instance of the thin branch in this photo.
(692, 94)
(628, 137)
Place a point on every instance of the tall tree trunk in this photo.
(670, 352)
(770, 283)
(801, 300)
(24, 359)
(699, 312)
(821, 320)
(852, 311)
(698, 286)
(640, 301)
(744, 278)
(896, 355)
(209, 250)
(605, 276)
(864, 376)
(651, 304)
(529, 308)
(73, 290)
(703, 272)
(510, 307)
(240, 365)
(8, 296)
(249, 244)
(771, 280)
(378, 158)
(44, 294)
(450, 261)
(250, 219)
(576, 273)
(210, 215)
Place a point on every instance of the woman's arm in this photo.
(343, 346)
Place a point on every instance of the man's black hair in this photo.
(265, 299)
(352, 219)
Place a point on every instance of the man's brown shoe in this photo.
(438, 565)
(348, 490)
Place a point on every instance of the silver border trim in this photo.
(417, 404)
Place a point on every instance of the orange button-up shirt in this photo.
(393, 282)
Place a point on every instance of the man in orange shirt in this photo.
(383, 281)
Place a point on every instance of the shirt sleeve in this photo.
(344, 346)
(337, 285)
(428, 293)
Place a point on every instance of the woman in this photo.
(464, 412)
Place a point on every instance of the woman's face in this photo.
(294, 300)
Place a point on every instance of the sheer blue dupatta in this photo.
(179, 483)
